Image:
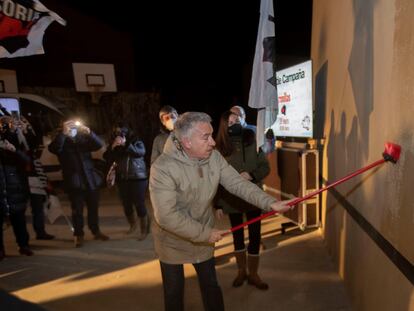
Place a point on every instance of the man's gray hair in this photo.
(185, 123)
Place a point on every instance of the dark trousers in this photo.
(37, 202)
(254, 231)
(77, 199)
(173, 283)
(132, 194)
(18, 222)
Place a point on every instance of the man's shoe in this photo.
(45, 236)
(101, 236)
(78, 240)
(25, 250)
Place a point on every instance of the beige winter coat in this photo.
(182, 191)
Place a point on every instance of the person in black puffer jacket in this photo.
(131, 178)
(14, 191)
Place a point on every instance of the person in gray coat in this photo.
(183, 183)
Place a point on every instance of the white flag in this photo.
(22, 26)
(263, 93)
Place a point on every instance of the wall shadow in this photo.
(321, 84)
(361, 65)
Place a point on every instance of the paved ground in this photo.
(123, 273)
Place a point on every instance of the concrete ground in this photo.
(123, 273)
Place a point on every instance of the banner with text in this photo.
(295, 116)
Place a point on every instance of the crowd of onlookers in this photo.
(24, 183)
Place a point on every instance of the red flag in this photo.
(22, 26)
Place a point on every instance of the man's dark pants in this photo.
(78, 199)
(173, 283)
(37, 202)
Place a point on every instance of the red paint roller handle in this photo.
(391, 153)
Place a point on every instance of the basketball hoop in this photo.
(95, 79)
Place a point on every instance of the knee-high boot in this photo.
(241, 266)
(253, 277)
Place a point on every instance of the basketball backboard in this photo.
(94, 79)
(90, 76)
(8, 81)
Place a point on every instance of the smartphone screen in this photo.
(15, 114)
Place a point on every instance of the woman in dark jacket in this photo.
(238, 146)
(14, 191)
(131, 176)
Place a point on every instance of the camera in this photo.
(15, 115)
(4, 126)
(122, 132)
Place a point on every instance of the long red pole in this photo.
(310, 195)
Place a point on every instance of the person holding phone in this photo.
(73, 146)
(14, 191)
(37, 178)
(128, 152)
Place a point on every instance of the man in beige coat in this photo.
(183, 183)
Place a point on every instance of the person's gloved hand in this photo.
(216, 235)
(282, 206)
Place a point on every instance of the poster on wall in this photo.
(294, 88)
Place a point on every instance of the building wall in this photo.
(362, 53)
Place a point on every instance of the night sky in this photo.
(200, 54)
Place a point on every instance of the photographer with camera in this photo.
(14, 191)
(38, 185)
(127, 151)
(73, 146)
